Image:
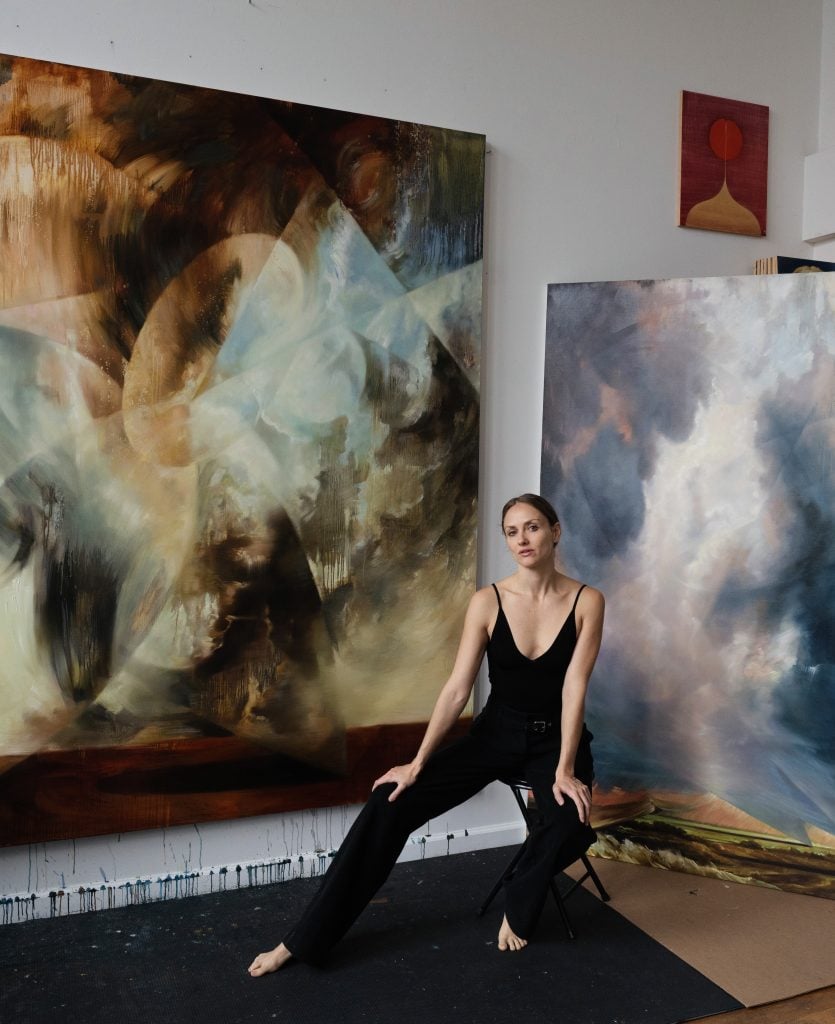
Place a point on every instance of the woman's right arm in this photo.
(455, 693)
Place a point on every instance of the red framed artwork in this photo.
(724, 164)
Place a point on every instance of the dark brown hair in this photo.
(536, 501)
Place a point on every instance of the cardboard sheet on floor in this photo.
(758, 944)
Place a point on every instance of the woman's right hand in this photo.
(403, 775)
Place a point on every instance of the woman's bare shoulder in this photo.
(591, 601)
(484, 597)
(482, 607)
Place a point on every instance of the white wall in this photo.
(579, 102)
(826, 114)
(819, 200)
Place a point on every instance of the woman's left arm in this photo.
(589, 613)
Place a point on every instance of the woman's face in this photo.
(529, 535)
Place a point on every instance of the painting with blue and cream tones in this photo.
(239, 368)
(689, 446)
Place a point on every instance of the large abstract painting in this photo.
(239, 368)
(689, 446)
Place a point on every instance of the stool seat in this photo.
(518, 786)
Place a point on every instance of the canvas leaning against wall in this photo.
(239, 368)
(689, 446)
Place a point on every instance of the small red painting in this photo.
(724, 164)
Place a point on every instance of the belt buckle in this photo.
(540, 726)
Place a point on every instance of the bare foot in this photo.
(508, 939)
(266, 963)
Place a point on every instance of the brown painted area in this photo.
(69, 794)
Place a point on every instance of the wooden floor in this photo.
(812, 1008)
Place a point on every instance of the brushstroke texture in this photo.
(688, 445)
(239, 342)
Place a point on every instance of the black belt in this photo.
(531, 721)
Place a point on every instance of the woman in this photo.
(541, 631)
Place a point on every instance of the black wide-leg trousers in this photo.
(502, 743)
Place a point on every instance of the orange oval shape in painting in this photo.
(725, 138)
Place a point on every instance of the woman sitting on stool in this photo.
(541, 631)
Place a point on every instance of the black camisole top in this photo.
(532, 685)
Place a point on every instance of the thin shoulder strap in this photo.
(497, 594)
(577, 598)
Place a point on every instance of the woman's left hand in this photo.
(567, 786)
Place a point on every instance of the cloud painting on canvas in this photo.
(689, 434)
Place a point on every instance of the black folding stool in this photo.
(518, 786)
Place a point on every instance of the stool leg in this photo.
(592, 874)
(555, 892)
(523, 806)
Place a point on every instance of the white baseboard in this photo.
(92, 896)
